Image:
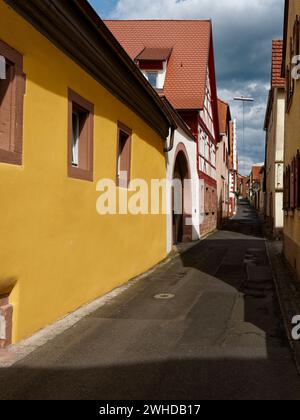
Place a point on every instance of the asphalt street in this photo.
(205, 326)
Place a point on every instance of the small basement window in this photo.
(123, 156)
(80, 144)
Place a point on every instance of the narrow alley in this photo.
(205, 326)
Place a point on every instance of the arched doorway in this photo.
(182, 231)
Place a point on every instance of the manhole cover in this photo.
(164, 296)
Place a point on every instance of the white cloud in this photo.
(219, 10)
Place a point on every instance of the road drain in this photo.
(164, 296)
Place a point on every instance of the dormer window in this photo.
(152, 77)
(153, 64)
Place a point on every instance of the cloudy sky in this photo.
(243, 32)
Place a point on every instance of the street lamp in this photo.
(243, 99)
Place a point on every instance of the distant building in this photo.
(177, 58)
(223, 152)
(243, 186)
(274, 127)
(256, 187)
(233, 170)
(262, 192)
(291, 199)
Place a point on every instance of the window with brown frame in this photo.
(12, 90)
(294, 51)
(298, 180)
(287, 186)
(80, 137)
(293, 185)
(290, 82)
(296, 36)
(288, 76)
(291, 198)
(123, 155)
(284, 192)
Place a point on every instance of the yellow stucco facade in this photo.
(56, 251)
(292, 144)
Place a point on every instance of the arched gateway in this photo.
(182, 228)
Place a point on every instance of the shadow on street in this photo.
(218, 336)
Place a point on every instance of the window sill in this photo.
(12, 158)
(81, 174)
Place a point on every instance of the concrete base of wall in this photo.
(292, 253)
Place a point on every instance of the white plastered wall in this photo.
(180, 137)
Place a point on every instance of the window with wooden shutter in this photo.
(294, 51)
(285, 202)
(287, 88)
(12, 89)
(287, 189)
(293, 185)
(288, 182)
(123, 156)
(80, 137)
(296, 36)
(298, 180)
(290, 82)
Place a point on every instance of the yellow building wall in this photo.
(54, 246)
(292, 144)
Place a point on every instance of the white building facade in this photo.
(233, 173)
(274, 127)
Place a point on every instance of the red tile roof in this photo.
(223, 109)
(187, 68)
(256, 173)
(277, 80)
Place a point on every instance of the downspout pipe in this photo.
(169, 148)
